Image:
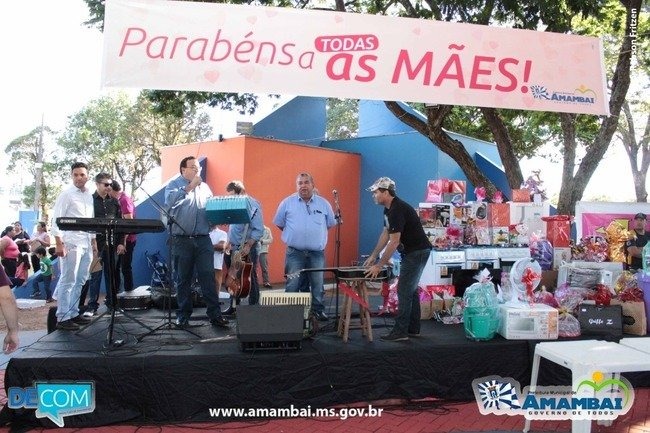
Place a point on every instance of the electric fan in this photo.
(525, 276)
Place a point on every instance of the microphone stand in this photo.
(167, 300)
(337, 249)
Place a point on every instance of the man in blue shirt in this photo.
(304, 219)
(186, 197)
(244, 237)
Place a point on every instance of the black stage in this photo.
(173, 376)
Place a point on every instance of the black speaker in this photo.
(270, 326)
(51, 320)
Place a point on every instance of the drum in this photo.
(137, 299)
(356, 273)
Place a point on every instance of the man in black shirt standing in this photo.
(402, 232)
(634, 247)
(105, 207)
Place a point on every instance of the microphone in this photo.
(337, 215)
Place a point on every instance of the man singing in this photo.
(186, 197)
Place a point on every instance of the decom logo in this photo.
(591, 398)
(54, 400)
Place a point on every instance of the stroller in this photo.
(160, 276)
(162, 287)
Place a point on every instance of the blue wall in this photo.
(407, 157)
(302, 120)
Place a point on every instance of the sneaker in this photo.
(394, 336)
(221, 322)
(49, 300)
(182, 323)
(67, 325)
(268, 285)
(90, 313)
(80, 320)
(35, 295)
(321, 316)
(414, 334)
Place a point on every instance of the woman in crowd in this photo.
(9, 251)
(40, 239)
(21, 237)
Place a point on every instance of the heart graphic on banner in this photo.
(252, 19)
(211, 76)
(247, 71)
(338, 18)
(417, 31)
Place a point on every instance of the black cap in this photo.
(640, 216)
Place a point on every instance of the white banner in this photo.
(173, 45)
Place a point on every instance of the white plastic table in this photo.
(641, 343)
(584, 357)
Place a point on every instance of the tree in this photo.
(634, 146)
(24, 152)
(115, 136)
(342, 118)
(575, 181)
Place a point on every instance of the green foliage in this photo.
(23, 154)
(342, 118)
(115, 136)
(54, 174)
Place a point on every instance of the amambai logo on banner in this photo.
(592, 397)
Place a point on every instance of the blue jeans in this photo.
(75, 267)
(408, 315)
(264, 266)
(96, 282)
(296, 260)
(47, 281)
(190, 255)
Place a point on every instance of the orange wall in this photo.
(269, 169)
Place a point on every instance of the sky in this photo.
(52, 69)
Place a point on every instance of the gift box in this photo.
(500, 235)
(498, 214)
(479, 212)
(634, 318)
(530, 215)
(427, 216)
(601, 321)
(453, 197)
(561, 255)
(520, 195)
(435, 190)
(558, 230)
(483, 236)
(443, 215)
(458, 186)
(437, 236)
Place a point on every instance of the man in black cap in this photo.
(634, 246)
(402, 232)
